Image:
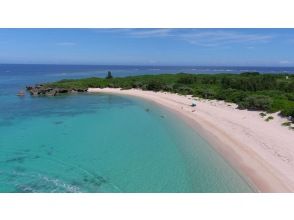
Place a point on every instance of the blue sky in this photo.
(243, 47)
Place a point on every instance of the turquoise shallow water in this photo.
(106, 143)
(99, 143)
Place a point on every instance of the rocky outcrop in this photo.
(41, 90)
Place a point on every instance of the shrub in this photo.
(209, 94)
(231, 95)
(137, 84)
(249, 74)
(256, 102)
(187, 79)
(169, 88)
(290, 96)
(144, 87)
(289, 112)
(185, 90)
(269, 118)
(125, 87)
(155, 85)
(262, 114)
(287, 123)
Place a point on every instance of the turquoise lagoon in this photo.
(102, 143)
(108, 143)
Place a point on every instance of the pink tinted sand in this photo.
(262, 152)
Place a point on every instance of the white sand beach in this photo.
(261, 151)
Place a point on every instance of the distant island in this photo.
(249, 90)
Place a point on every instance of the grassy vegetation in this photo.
(269, 118)
(287, 123)
(262, 114)
(250, 90)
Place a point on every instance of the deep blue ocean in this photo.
(103, 143)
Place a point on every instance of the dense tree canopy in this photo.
(250, 90)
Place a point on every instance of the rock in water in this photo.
(41, 90)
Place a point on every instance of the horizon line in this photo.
(67, 64)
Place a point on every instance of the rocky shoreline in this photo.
(41, 90)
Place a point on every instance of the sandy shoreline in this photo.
(263, 152)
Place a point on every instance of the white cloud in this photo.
(216, 38)
(200, 37)
(137, 32)
(285, 62)
(150, 32)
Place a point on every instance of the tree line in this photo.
(250, 90)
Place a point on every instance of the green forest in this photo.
(250, 90)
